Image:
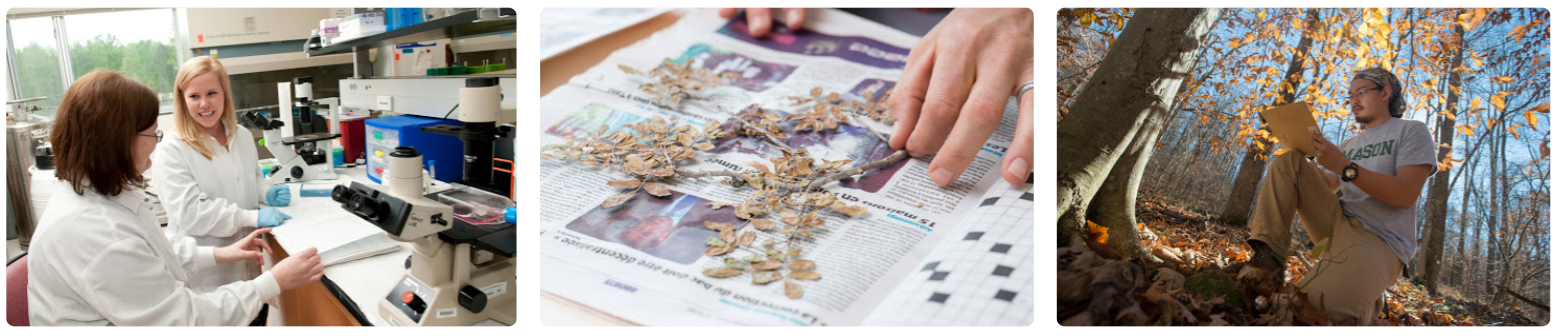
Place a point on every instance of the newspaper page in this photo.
(642, 261)
(980, 275)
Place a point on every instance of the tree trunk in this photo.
(1436, 195)
(1245, 187)
(1113, 205)
(1138, 78)
(1497, 167)
(1463, 220)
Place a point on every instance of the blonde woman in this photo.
(208, 174)
(99, 257)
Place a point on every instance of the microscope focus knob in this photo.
(297, 172)
(472, 298)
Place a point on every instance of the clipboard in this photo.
(1293, 125)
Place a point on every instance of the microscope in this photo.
(303, 150)
(458, 273)
(480, 101)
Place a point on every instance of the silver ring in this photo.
(1023, 88)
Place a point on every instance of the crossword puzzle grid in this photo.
(981, 275)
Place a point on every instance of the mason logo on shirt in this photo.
(1369, 151)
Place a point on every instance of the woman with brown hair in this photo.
(99, 257)
(208, 175)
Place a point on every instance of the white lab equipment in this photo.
(458, 273)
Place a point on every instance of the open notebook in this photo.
(361, 248)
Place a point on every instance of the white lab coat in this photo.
(100, 260)
(215, 201)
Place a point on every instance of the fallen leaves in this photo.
(1098, 233)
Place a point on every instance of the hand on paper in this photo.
(298, 269)
(760, 19)
(954, 89)
(1328, 154)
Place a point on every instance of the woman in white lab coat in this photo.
(207, 175)
(100, 258)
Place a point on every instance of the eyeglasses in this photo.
(157, 135)
(1360, 93)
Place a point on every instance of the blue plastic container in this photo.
(396, 18)
(445, 153)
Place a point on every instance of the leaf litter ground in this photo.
(1192, 285)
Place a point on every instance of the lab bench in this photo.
(351, 290)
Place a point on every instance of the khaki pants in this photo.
(1358, 266)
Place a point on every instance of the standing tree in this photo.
(1254, 162)
(1436, 194)
(1135, 83)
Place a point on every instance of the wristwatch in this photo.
(1350, 172)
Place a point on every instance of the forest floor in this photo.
(1199, 282)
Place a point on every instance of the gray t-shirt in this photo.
(1395, 143)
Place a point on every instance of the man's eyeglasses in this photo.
(1360, 93)
(157, 135)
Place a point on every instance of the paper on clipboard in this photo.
(1293, 125)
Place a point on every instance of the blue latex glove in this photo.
(279, 195)
(270, 217)
(511, 215)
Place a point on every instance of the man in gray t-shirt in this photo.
(1370, 230)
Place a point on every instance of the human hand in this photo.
(298, 269)
(953, 91)
(760, 19)
(270, 217)
(279, 195)
(1328, 154)
(251, 247)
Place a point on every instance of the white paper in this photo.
(591, 257)
(319, 222)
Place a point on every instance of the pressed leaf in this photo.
(761, 167)
(721, 272)
(617, 200)
(629, 70)
(753, 258)
(718, 205)
(767, 265)
(762, 278)
(715, 241)
(656, 189)
(805, 275)
(763, 224)
(800, 264)
(714, 251)
(736, 264)
(792, 290)
(664, 172)
(716, 226)
(728, 236)
(795, 251)
(625, 183)
(747, 238)
(816, 92)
